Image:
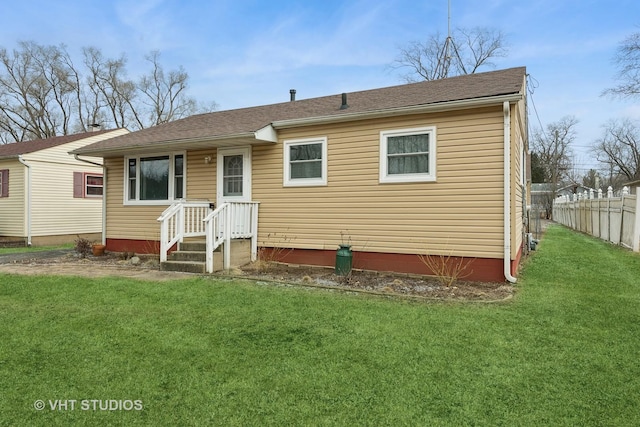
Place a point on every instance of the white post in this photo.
(180, 219)
(636, 225)
(590, 193)
(625, 191)
(164, 232)
(209, 238)
(227, 238)
(599, 193)
(609, 192)
(254, 232)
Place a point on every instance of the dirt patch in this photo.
(378, 283)
(69, 264)
(147, 268)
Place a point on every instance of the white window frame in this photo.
(304, 182)
(171, 178)
(85, 177)
(385, 177)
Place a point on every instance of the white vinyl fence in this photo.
(614, 219)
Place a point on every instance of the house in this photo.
(47, 196)
(434, 168)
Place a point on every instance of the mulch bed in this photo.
(379, 283)
(387, 284)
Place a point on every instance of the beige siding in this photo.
(201, 176)
(127, 222)
(54, 210)
(140, 222)
(12, 208)
(461, 212)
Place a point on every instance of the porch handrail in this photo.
(181, 219)
(233, 220)
(214, 233)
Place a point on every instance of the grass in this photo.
(25, 249)
(203, 351)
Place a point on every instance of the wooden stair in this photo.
(191, 257)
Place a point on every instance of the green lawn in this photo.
(25, 249)
(564, 351)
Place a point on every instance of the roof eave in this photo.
(258, 137)
(413, 109)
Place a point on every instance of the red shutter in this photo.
(4, 191)
(78, 185)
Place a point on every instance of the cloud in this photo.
(149, 23)
(299, 40)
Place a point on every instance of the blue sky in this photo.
(245, 53)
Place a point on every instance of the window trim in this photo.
(85, 176)
(171, 178)
(386, 178)
(246, 174)
(304, 182)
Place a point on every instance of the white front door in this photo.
(234, 175)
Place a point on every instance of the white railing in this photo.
(180, 220)
(614, 219)
(237, 220)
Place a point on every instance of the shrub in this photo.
(82, 247)
(446, 268)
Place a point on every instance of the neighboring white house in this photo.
(47, 196)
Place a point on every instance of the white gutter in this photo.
(75, 156)
(104, 195)
(28, 216)
(507, 192)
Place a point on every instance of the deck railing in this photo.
(180, 220)
(234, 220)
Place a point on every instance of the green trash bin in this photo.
(344, 260)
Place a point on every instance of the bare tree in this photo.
(627, 59)
(43, 94)
(465, 51)
(110, 96)
(37, 92)
(619, 149)
(164, 94)
(553, 148)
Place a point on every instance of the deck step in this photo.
(183, 266)
(199, 256)
(193, 246)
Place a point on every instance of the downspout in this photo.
(507, 192)
(21, 160)
(104, 195)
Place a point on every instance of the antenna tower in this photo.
(444, 59)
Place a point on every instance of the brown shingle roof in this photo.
(246, 120)
(18, 148)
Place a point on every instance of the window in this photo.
(93, 185)
(154, 180)
(408, 155)
(305, 162)
(4, 183)
(232, 175)
(87, 185)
